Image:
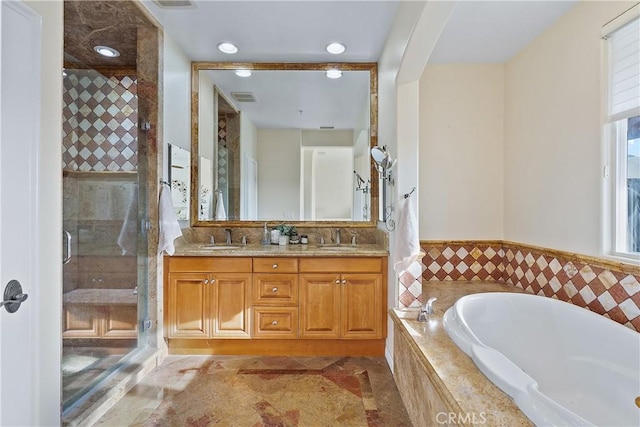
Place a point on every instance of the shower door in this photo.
(104, 238)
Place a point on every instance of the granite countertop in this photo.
(202, 249)
(458, 380)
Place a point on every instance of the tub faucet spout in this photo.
(427, 310)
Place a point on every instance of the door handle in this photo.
(67, 257)
(13, 296)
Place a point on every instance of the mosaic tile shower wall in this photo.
(607, 288)
(99, 124)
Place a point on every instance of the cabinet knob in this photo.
(212, 281)
(274, 289)
(274, 323)
(337, 281)
(274, 266)
(206, 281)
(344, 282)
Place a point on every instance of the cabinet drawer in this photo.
(209, 264)
(275, 322)
(275, 265)
(341, 265)
(275, 289)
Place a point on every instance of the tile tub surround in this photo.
(609, 288)
(269, 391)
(438, 383)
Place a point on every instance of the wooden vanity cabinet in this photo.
(275, 298)
(208, 297)
(344, 304)
(311, 306)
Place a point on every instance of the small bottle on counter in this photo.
(304, 239)
(266, 237)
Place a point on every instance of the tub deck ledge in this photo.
(439, 384)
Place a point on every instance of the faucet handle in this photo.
(212, 240)
(244, 240)
(321, 239)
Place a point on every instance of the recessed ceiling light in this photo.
(226, 47)
(336, 48)
(334, 73)
(243, 73)
(107, 51)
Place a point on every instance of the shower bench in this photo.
(100, 314)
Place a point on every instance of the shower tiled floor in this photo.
(263, 391)
(82, 366)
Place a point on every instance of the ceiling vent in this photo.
(327, 127)
(243, 96)
(174, 3)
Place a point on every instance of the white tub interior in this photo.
(587, 365)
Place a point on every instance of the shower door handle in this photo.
(67, 238)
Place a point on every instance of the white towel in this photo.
(169, 228)
(221, 214)
(128, 238)
(406, 240)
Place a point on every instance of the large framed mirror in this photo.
(288, 142)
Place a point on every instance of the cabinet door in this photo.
(81, 321)
(188, 306)
(320, 306)
(120, 321)
(361, 306)
(231, 294)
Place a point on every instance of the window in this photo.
(622, 37)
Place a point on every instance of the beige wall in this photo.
(177, 90)
(461, 151)
(278, 156)
(553, 161)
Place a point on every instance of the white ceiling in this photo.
(298, 31)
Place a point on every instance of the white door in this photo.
(19, 138)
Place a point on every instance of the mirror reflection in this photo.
(179, 176)
(282, 144)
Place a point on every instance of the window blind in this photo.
(624, 71)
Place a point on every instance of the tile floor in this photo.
(263, 391)
(82, 367)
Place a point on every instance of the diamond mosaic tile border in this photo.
(607, 288)
(99, 128)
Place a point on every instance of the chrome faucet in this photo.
(212, 240)
(244, 240)
(227, 232)
(337, 241)
(427, 310)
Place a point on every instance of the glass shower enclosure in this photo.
(104, 238)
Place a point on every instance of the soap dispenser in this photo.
(266, 237)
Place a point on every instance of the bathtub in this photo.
(561, 364)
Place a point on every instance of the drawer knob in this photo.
(344, 282)
(274, 289)
(274, 266)
(337, 281)
(274, 323)
(213, 281)
(206, 281)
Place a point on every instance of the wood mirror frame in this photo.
(197, 66)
